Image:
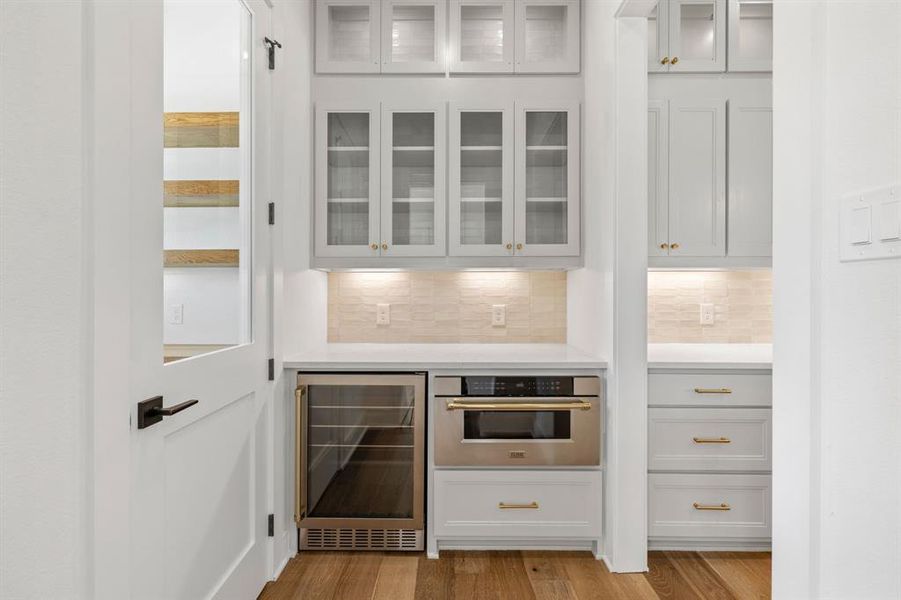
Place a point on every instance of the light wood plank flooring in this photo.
(519, 576)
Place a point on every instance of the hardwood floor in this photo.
(519, 576)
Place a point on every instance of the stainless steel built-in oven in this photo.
(359, 461)
(518, 421)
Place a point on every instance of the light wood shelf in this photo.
(201, 258)
(201, 193)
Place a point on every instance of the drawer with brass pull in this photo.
(709, 439)
(517, 504)
(709, 506)
(710, 389)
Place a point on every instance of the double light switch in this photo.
(871, 225)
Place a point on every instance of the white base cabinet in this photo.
(490, 505)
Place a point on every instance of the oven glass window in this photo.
(516, 425)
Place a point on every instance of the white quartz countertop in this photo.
(710, 356)
(444, 356)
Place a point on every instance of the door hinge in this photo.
(272, 213)
(272, 44)
(271, 525)
(271, 366)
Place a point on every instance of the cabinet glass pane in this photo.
(412, 33)
(481, 177)
(360, 451)
(413, 179)
(755, 30)
(697, 30)
(654, 53)
(348, 33)
(546, 177)
(207, 187)
(348, 179)
(546, 33)
(482, 33)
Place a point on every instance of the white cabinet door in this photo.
(697, 35)
(481, 179)
(413, 36)
(697, 177)
(347, 181)
(658, 174)
(750, 180)
(750, 35)
(547, 180)
(347, 36)
(547, 36)
(658, 38)
(481, 36)
(413, 193)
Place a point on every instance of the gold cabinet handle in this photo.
(519, 246)
(505, 506)
(713, 391)
(664, 60)
(518, 406)
(719, 440)
(722, 506)
(664, 246)
(509, 246)
(675, 59)
(384, 245)
(674, 246)
(374, 246)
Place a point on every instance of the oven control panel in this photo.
(515, 386)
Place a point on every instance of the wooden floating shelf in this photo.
(200, 193)
(173, 352)
(200, 258)
(200, 130)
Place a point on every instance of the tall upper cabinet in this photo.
(687, 36)
(521, 36)
(750, 35)
(387, 36)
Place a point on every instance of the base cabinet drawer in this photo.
(709, 506)
(709, 439)
(710, 389)
(517, 504)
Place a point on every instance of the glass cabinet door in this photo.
(347, 183)
(547, 36)
(750, 35)
(347, 36)
(547, 196)
(481, 36)
(658, 40)
(481, 180)
(413, 207)
(697, 35)
(413, 33)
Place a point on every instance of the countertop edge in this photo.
(442, 365)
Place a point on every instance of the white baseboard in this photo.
(522, 544)
(710, 545)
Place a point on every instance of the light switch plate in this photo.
(382, 314)
(871, 225)
(498, 315)
(175, 314)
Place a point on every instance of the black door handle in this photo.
(151, 411)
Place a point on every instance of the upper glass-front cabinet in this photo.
(347, 36)
(413, 194)
(413, 36)
(547, 36)
(547, 176)
(687, 36)
(750, 35)
(347, 168)
(481, 36)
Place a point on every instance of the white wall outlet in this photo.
(498, 315)
(382, 314)
(175, 314)
(708, 314)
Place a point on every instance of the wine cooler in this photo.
(359, 461)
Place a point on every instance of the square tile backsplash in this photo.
(451, 307)
(743, 305)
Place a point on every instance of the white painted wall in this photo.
(44, 335)
(837, 336)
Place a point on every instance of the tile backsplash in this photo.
(452, 307)
(743, 304)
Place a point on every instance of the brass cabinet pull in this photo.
(530, 505)
(374, 246)
(722, 506)
(518, 406)
(664, 60)
(384, 245)
(664, 246)
(674, 246)
(509, 246)
(519, 246)
(675, 59)
(713, 391)
(720, 440)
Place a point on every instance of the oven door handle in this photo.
(457, 404)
